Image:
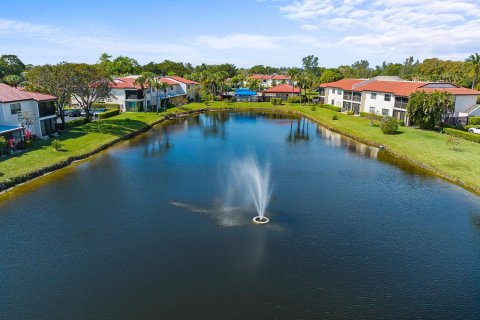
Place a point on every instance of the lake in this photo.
(141, 231)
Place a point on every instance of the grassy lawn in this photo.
(426, 148)
(76, 141)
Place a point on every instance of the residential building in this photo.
(268, 81)
(281, 91)
(389, 96)
(130, 97)
(13, 101)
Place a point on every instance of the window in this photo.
(339, 92)
(333, 102)
(171, 87)
(15, 108)
(384, 112)
(333, 91)
(372, 110)
(388, 97)
(373, 95)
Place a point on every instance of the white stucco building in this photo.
(389, 96)
(13, 101)
(268, 81)
(130, 97)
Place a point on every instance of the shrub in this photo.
(109, 113)
(295, 99)
(3, 144)
(74, 123)
(462, 134)
(334, 117)
(389, 125)
(371, 116)
(276, 101)
(313, 108)
(97, 105)
(57, 145)
(401, 123)
(329, 106)
(350, 113)
(474, 121)
(465, 128)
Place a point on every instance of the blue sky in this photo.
(243, 32)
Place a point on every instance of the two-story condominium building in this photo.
(130, 96)
(389, 96)
(268, 81)
(13, 101)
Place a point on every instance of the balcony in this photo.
(46, 109)
(400, 105)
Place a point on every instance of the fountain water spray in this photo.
(251, 183)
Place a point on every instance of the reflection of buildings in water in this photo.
(334, 139)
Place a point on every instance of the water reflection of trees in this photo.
(213, 124)
(300, 131)
(337, 140)
(158, 144)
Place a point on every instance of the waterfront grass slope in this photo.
(426, 149)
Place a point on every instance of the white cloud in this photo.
(251, 41)
(393, 27)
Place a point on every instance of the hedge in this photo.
(74, 123)
(462, 134)
(108, 114)
(329, 106)
(97, 105)
(474, 121)
(276, 101)
(295, 99)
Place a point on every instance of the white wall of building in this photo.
(464, 102)
(9, 119)
(378, 103)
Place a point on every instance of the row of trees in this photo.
(463, 73)
(84, 83)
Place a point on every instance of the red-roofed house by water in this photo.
(13, 101)
(389, 96)
(130, 97)
(281, 91)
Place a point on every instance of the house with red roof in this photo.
(130, 96)
(389, 96)
(281, 91)
(268, 81)
(13, 101)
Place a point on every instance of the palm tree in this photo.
(474, 63)
(146, 79)
(163, 86)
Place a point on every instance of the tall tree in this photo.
(90, 84)
(13, 80)
(474, 65)
(11, 64)
(57, 80)
(310, 64)
(330, 75)
(426, 110)
(146, 80)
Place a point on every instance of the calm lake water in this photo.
(138, 232)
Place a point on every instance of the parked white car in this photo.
(474, 130)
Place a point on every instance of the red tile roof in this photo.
(454, 91)
(344, 84)
(397, 88)
(270, 77)
(283, 88)
(183, 80)
(169, 81)
(125, 83)
(10, 94)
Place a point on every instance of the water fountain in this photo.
(247, 175)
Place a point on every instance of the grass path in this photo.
(427, 149)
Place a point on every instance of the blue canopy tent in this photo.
(244, 94)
